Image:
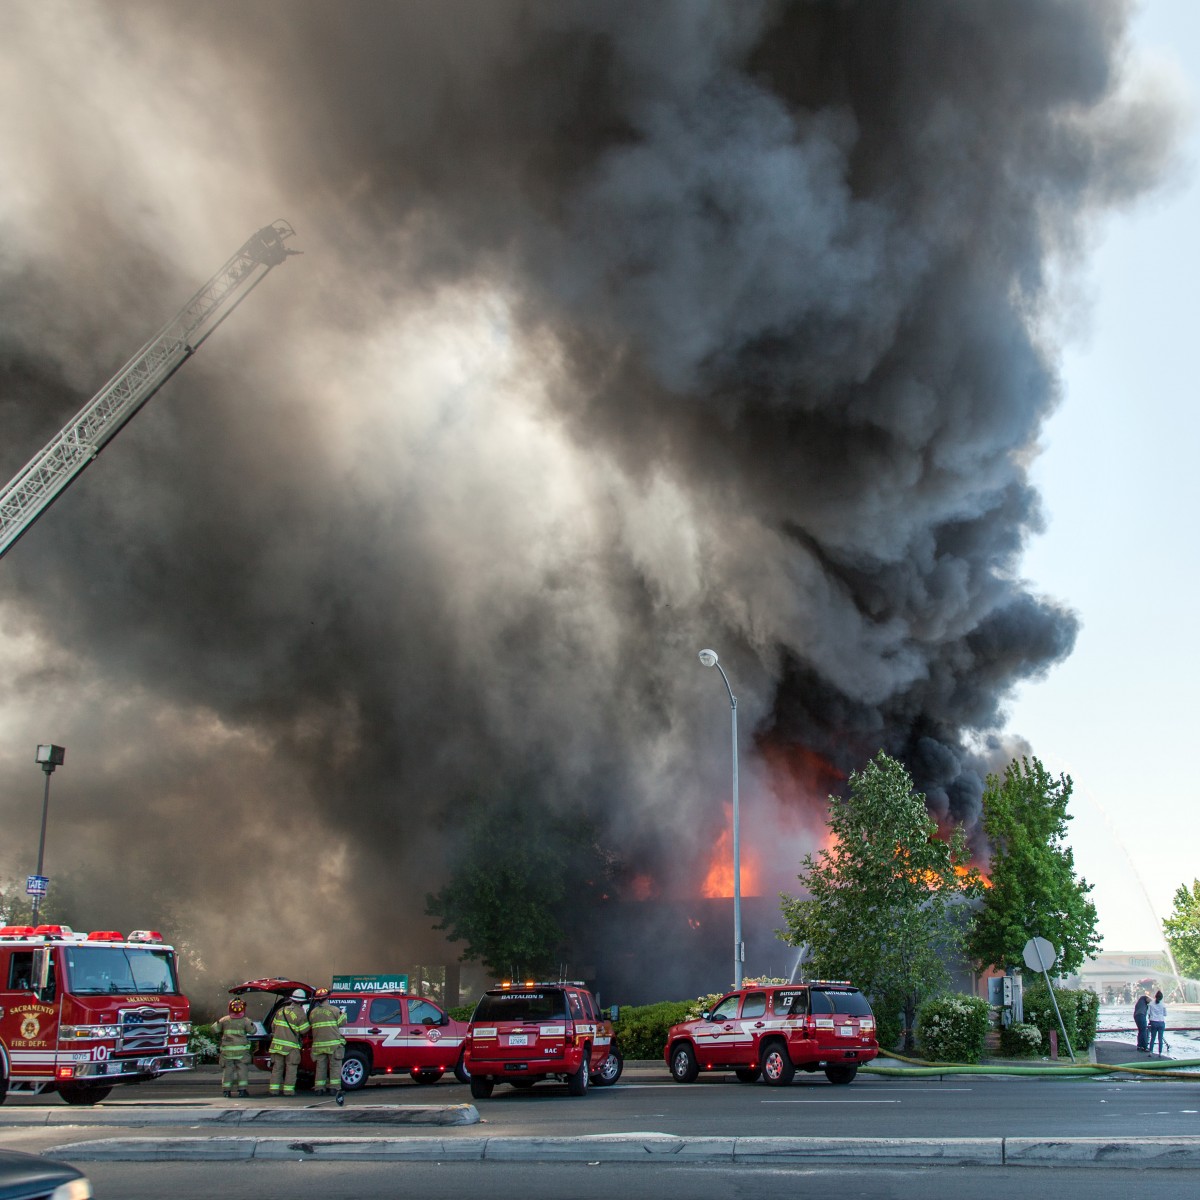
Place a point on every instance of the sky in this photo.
(1121, 491)
(620, 330)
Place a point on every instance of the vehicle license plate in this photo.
(845, 1031)
(518, 1039)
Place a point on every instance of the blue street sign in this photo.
(36, 885)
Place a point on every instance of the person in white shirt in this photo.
(1156, 1015)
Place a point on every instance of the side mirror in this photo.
(706, 1015)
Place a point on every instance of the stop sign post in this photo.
(1039, 954)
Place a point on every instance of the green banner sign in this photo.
(370, 983)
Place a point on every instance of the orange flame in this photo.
(718, 882)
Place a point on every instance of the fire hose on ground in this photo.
(922, 1069)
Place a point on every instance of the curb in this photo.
(1017, 1152)
(359, 1114)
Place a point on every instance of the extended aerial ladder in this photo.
(49, 473)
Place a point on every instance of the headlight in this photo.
(77, 1189)
(181, 1028)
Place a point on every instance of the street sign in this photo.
(370, 983)
(1039, 954)
(36, 885)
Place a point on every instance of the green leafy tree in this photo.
(1182, 928)
(884, 899)
(1034, 890)
(521, 886)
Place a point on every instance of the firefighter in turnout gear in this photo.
(287, 1028)
(234, 1030)
(328, 1042)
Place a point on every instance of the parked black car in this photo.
(30, 1177)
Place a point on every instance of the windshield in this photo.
(107, 970)
(521, 1006)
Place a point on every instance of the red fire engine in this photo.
(81, 1012)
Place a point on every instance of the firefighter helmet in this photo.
(237, 1005)
(321, 994)
(299, 996)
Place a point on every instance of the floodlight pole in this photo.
(709, 659)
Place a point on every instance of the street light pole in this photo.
(48, 757)
(709, 659)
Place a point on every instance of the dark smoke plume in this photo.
(622, 329)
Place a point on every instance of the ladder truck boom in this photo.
(50, 472)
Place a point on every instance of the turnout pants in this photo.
(283, 1073)
(235, 1072)
(329, 1068)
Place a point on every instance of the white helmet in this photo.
(299, 995)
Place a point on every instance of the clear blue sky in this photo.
(1120, 486)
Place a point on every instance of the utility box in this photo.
(1004, 992)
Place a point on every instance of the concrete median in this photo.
(1015, 1152)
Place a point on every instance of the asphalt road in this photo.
(647, 1100)
(579, 1181)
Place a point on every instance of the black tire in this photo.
(577, 1081)
(609, 1070)
(3, 1087)
(356, 1070)
(748, 1074)
(461, 1071)
(427, 1075)
(481, 1089)
(841, 1075)
(684, 1067)
(777, 1067)
(78, 1093)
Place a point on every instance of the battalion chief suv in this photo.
(769, 1031)
(520, 1033)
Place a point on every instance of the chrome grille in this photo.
(144, 1029)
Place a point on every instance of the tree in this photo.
(882, 907)
(1182, 928)
(521, 886)
(1034, 891)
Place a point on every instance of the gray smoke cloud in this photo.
(622, 329)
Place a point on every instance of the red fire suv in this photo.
(387, 1033)
(520, 1033)
(80, 1012)
(771, 1031)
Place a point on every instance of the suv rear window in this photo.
(546, 1005)
(833, 1000)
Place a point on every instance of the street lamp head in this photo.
(50, 757)
(708, 658)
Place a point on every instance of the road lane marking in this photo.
(830, 1101)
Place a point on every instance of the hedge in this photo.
(1080, 1009)
(953, 1028)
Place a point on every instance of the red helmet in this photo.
(237, 1005)
(321, 994)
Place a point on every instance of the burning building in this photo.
(621, 330)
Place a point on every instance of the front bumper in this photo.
(119, 1070)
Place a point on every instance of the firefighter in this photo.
(288, 1026)
(234, 1030)
(328, 1042)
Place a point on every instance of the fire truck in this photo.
(82, 1012)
